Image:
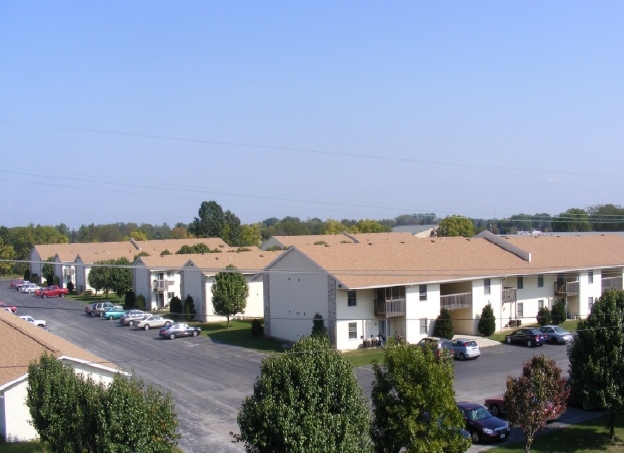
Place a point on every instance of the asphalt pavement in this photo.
(209, 381)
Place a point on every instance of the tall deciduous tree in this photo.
(572, 220)
(231, 229)
(606, 217)
(210, 222)
(120, 278)
(414, 403)
(597, 357)
(456, 226)
(229, 293)
(305, 400)
(47, 271)
(100, 276)
(536, 396)
(250, 235)
(6, 253)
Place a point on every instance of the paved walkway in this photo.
(481, 342)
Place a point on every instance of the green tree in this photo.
(250, 235)
(531, 399)
(606, 217)
(140, 302)
(371, 226)
(189, 308)
(333, 227)
(129, 300)
(231, 229)
(47, 270)
(27, 275)
(137, 235)
(543, 316)
(318, 326)
(558, 313)
(597, 357)
(414, 403)
(456, 226)
(229, 293)
(179, 233)
(100, 276)
(210, 222)
(444, 325)
(120, 278)
(138, 255)
(487, 322)
(175, 307)
(305, 400)
(6, 253)
(571, 221)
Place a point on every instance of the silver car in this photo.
(152, 321)
(557, 335)
(465, 348)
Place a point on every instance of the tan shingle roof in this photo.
(24, 342)
(252, 262)
(341, 239)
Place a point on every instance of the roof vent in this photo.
(370, 243)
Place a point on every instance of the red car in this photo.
(496, 406)
(15, 282)
(53, 291)
(38, 291)
(12, 308)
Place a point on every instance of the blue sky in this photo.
(138, 111)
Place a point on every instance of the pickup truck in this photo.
(54, 291)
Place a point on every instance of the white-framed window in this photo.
(169, 274)
(487, 286)
(351, 299)
(540, 304)
(590, 277)
(590, 304)
(352, 330)
(423, 292)
(520, 284)
(423, 326)
(520, 310)
(170, 295)
(540, 281)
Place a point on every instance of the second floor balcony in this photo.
(566, 288)
(456, 301)
(390, 307)
(509, 295)
(611, 283)
(161, 285)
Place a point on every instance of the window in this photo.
(170, 295)
(351, 301)
(169, 274)
(540, 304)
(540, 281)
(590, 277)
(487, 288)
(423, 326)
(520, 310)
(423, 292)
(590, 303)
(352, 330)
(520, 284)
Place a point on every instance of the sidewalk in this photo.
(481, 342)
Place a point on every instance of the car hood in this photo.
(491, 422)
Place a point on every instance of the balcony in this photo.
(456, 301)
(509, 295)
(390, 308)
(566, 288)
(611, 283)
(161, 285)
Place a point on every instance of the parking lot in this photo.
(209, 381)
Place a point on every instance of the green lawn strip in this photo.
(588, 436)
(239, 334)
(569, 325)
(87, 300)
(363, 357)
(21, 447)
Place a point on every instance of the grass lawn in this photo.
(588, 436)
(239, 334)
(363, 357)
(569, 325)
(112, 298)
(21, 447)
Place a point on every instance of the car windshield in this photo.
(478, 413)
(536, 332)
(559, 330)
(471, 343)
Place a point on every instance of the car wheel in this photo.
(529, 343)
(168, 323)
(44, 296)
(172, 336)
(110, 318)
(61, 295)
(494, 410)
(146, 327)
(462, 357)
(508, 340)
(195, 333)
(131, 323)
(476, 438)
(553, 340)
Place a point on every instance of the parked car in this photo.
(465, 348)
(11, 308)
(497, 407)
(89, 308)
(179, 330)
(131, 316)
(38, 291)
(113, 313)
(37, 322)
(17, 281)
(482, 425)
(100, 307)
(54, 291)
(442, 347)
(557, 335)
(18, 286)
(30, 288)
(530, 337)
(152, 321)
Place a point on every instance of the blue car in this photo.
(113, 313)
(529, 337)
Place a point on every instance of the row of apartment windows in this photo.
(353, 328)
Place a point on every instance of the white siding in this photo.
(16, 414)
(587, 290)
(192, 279)
(415, 310)
(362, 314)
(531, 294)
(255, 301)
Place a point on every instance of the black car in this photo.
(530, 337)
(179, 330)
(482, 425)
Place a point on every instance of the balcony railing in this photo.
(611, 283)
(390, 307)
(509, 295)
(567, 288)
(456, 301)
(161, 285)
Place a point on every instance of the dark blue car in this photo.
(529, 337)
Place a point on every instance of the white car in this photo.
(30, 288)
(37, 322)
(152, 321)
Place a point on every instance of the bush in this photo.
(129, 300)
(175, 307)
(140, 302)
(34, 278)
(70, 286)
(543, 316)
(27, 275)
(444, 325)
(189, 308)
(318, 326)
(487, 323)
(257, 329)
(558, 313)
(56, 281)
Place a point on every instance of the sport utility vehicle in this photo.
(441, 346)
(99, 308)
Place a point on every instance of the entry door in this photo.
(382, 328)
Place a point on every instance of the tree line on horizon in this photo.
(212, 221)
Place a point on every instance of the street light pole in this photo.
(9, 213)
